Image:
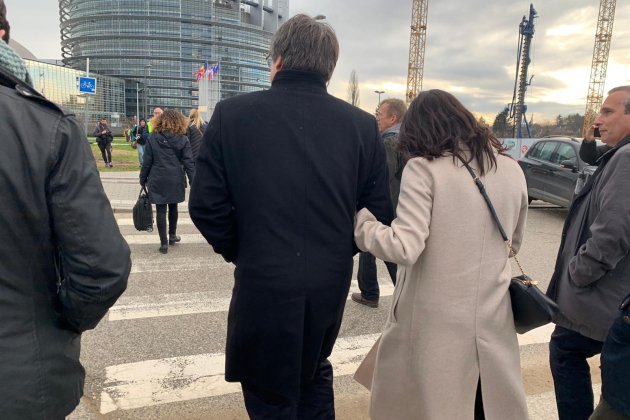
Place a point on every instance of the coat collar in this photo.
(601, 163)
(297, 79)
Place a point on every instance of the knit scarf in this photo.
(12, 63)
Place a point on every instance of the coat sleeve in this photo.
(147, 163)
(404, 241)
(94, 258)
(188, 161)
(375, 194)
(519, 230)
(609, 242)
(210, 204)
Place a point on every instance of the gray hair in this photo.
(623, 89)
(395, 107)
(306, 44)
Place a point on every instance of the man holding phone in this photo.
(590, 152)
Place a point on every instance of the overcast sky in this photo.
(471, 48)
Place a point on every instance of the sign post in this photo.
(87, 86)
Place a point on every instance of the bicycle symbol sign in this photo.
(87, 85)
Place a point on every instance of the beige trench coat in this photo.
(451, 317)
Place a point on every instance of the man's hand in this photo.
(590, 134)
(104, 132)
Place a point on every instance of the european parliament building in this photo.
(164, 42)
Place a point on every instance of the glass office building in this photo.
(165, 41)
(61, 85)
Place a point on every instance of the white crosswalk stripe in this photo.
(152, 306)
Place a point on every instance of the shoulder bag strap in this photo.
(482, 190)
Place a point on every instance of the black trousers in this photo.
(106, 151)
(317, 400)
(160, 210)
(366, 276)
(568, 351)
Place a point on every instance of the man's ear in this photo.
(2, 34)
(278, 63)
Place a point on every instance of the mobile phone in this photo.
(596, 132)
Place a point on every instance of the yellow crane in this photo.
(603, 35)
(417, 42)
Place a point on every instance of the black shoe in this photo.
(111, 165)
(173, 238)
(164, 249)
(358, 298)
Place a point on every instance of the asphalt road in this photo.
(159, 352)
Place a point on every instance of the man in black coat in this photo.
(63, 261)
(279, 178)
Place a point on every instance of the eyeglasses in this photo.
(269, 60)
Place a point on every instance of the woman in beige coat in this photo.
(450, 327)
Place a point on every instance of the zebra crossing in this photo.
(162, 343)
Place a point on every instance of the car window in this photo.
(565, 152)
(534, 152)
(546, 150)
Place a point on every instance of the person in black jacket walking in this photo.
(104, 140)
(140, 135)
(279, 178)
(63, 261)
(196, 128)
(166, 157)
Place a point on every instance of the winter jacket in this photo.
(166, 157)
(103, 138)
(592, 272)
(63, 260)
(194, 135)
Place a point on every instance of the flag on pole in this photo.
(200, 73)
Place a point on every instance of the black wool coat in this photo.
(280, 176)
(63, 261)
(195, 134)
(166, 157)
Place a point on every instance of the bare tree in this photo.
(353, 89)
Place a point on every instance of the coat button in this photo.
(298, 254)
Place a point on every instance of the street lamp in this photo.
(379, 95)
(146, 88)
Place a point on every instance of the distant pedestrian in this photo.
(104, 140)
(615, 364)
(196, 128)
(280, 175)
(63, 261)
(156, 113)
(449, 348)
(167, 160)
(141, 136)
(389, 115)
(592, 272)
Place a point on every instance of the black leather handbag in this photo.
(143, 212)
(530, 306)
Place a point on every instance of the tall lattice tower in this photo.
(603, 36)
(417, 42)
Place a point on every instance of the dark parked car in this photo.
(552, 167)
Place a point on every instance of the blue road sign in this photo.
(87, 85)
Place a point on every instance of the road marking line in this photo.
(152, 238)
(536, 336)
(175, 379)
(180, 221)
(154, 306)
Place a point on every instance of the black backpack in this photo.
(143, 212)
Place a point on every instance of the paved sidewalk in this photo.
(123, 188)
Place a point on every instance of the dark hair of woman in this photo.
(171, 121)
(437, 124)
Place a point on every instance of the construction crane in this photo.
(417, 42)
(603, 36)
(518, 108)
